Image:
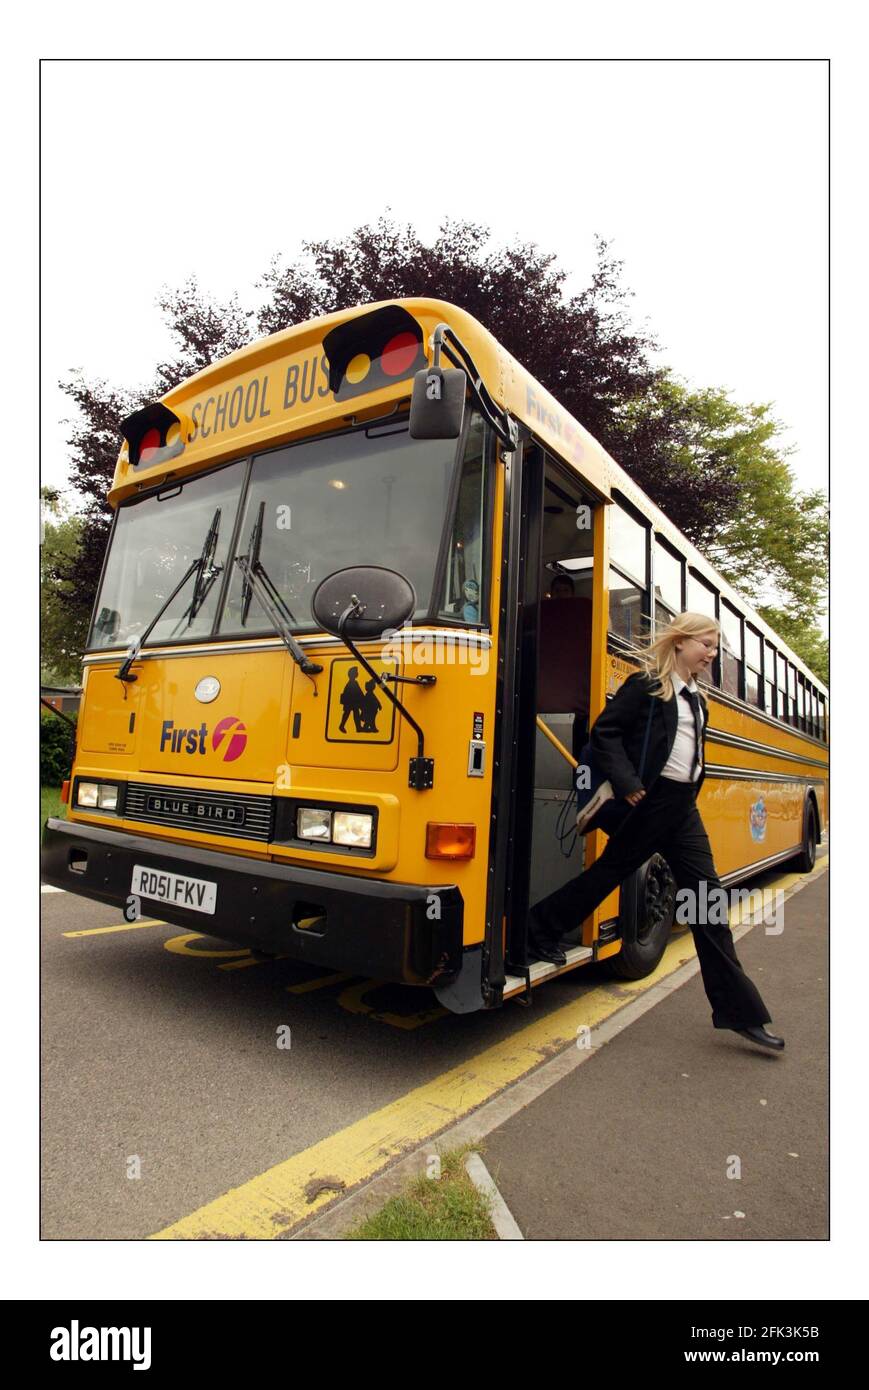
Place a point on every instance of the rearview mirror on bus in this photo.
(379, 600)
(437, 404)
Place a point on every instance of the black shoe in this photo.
(546, 950)
(757, 1033)
(544, 937)
(542, 944)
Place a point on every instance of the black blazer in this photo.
(619, 730)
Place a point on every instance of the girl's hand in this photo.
(636, 796)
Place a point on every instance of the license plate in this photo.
(163, 887)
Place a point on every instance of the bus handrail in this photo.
(545, 729)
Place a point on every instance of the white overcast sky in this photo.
(709, 177)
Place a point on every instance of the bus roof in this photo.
(278, 389)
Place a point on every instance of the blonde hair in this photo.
(657, 656)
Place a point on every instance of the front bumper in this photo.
(368, 926)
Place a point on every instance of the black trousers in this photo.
(666, 822)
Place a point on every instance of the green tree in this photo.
(809, 643)
(777, 538)
(64, 615)
(583, 349)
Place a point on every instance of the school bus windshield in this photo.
(372, 496)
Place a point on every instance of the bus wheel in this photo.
(648, 906)
(805, 860)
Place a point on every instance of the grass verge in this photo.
(50, 804)
(445, 1207)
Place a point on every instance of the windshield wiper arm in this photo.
(206, 575)
(258, 582)
(252, 557)
(199, 564)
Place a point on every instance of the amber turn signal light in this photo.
(64, 792)
(449, 840)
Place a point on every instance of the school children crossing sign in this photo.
(359, 711)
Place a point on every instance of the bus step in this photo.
(542, 969)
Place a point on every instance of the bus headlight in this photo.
(352, 828)
(102, 796)
(314, 824)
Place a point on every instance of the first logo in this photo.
(232, 735)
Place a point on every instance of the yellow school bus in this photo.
(366, 588)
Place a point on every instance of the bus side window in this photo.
(769, 703)
(792, 694)
(753, 679)
(731, 650)
(702, 598)
(669, 584)
(628, 579)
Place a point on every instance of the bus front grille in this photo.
(243, 815)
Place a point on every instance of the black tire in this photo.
(648, 906)
(804, 862)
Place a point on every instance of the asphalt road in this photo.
(165, 1049)
(167, 1078)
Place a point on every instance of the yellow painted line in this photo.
(275, 1201)
(246, 963)
(180, 946)
(321, 982)
(354, 1001)
(122, 926)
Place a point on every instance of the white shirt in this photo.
(681, 760)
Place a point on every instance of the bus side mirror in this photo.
(380, 600)
(437, 404)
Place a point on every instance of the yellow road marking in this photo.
(353, 1000)
(320, 983)
(275, 1201)
(122, 926)
(246, 963)
(180, 946)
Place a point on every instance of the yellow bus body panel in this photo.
(268, 691)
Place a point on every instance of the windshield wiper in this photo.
(204, 582)
(258, 581)
(207, 572)
(252, 557)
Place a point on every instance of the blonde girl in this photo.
(662, 706)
